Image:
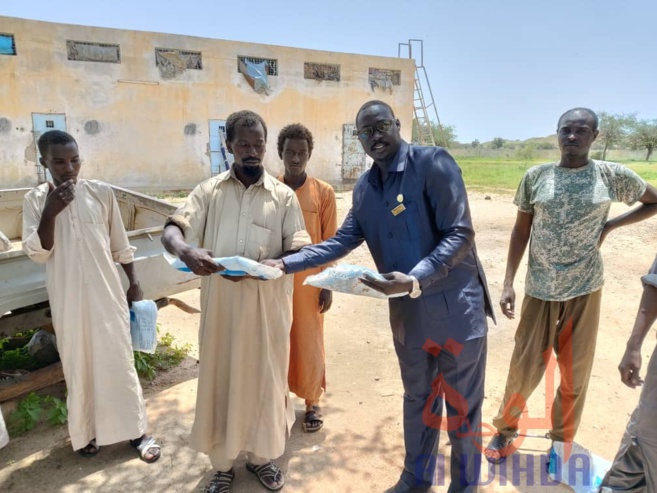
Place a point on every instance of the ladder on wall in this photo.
(424, 105)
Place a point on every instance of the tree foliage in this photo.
(498, 143)
(443, 135)
(614, 130)
(644, 136)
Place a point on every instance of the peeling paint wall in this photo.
(139, 126)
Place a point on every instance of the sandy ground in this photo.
(360, 448)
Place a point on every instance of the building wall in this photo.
(139, 137)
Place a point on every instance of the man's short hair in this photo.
(592, 114)
(375, 102)
(54, 137)
(243, 118)
(295, 131)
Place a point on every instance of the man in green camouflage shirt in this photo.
(563, 208)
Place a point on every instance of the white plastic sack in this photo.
(344, 278)
(4, 436)
(583, 471)
(143, 326)
(5, 244)
(235, 266)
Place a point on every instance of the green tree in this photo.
(644, 136)
(614, 129)
(443, 135)
(475, 143)
(498, 143)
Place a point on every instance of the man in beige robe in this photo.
(242, 403)
(74, 226)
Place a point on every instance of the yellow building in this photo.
(147, 109)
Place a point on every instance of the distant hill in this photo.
(549, 142)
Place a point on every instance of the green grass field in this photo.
(505, 174)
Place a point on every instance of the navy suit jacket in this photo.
(416, 222)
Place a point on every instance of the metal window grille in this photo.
(84, 51)
(321, 71)
(270, 63)
(7, 44)
(384, 74)
(192, 60)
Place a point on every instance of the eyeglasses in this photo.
(381, 126)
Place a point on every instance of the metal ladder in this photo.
(421, 110)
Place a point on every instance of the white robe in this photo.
(242, 403)
(90, 312)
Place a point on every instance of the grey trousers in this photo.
(635, 466)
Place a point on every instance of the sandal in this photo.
(147, 445)
(220, 482)
(90, 450)
(270, 475)
(313, 415)
(498, 448)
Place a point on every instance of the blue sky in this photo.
(498, 68)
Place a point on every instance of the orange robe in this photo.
(307, 375)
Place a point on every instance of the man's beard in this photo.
(251, 170)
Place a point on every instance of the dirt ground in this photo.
(360, 448)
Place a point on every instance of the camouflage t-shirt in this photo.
(570, 208)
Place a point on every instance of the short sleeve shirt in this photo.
(570, 207)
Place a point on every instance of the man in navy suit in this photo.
(412, 209)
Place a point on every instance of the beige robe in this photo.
(242, 402)
(90, 312)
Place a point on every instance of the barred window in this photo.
(7, 44)
(384, 74)
(321, 71)
(192, 60)
(270, 64)
(84, 51)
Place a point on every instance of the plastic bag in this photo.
(583, 471)
(143, 326)
(344, 278)
(4, 436)
(5, 244)
(235, 266)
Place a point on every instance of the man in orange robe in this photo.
(307, 375)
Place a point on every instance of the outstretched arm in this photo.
(348, 237)
(199, 260)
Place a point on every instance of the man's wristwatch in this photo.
(417, 290)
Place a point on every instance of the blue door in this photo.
(220, 158)
(42, 122)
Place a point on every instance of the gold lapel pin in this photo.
(400, 198)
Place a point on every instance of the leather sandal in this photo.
(270, 475)
(220, 482)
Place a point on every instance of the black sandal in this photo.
(500, 446)
(313, 415)
(91, 450)
(270, 475)
(220, 482)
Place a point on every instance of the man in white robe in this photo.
(242, 403)
(74, 226)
